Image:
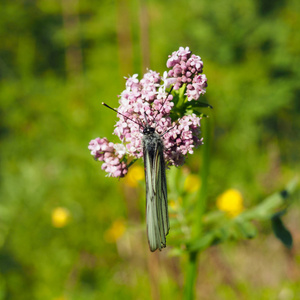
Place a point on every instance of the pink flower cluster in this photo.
(145, 103)
(187, 69)
(182, 139)
(138, 104)
(142, 102)
(110, 153)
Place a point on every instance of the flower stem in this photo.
(191, 275)
(191, 268)
(201, 204)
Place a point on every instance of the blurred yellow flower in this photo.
(116, 230)
(173, 204)
(231, 202)
(60, 217)
(192, 183)
(135, 174)
(174, 207)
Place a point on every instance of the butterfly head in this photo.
(148, 130)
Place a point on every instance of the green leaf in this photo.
(281, 232)
(265, 210)
(175, 99)
(201, 243)
(131, 163)
(194, 103)
(247, 229)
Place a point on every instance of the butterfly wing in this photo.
(156, 192)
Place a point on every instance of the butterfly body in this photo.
(156, 189)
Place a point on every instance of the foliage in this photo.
(58, 61)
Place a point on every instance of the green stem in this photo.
(191, 275)
(191, 268)
(201, 204)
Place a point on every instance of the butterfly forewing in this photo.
(156, 190)
(162, 191)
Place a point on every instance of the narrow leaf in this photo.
(281, 232)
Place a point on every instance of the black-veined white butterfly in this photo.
(156, 189)
(157, 216)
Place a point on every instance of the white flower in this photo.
(120, 149)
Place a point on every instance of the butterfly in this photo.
(157, 216)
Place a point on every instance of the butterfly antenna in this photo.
(122, 114)
(163, 103)
(146, 120)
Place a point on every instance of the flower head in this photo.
(187, 69)
(116, 231)
(135, 174)
(231, 202)
(148, 102)
(192, 183)
(111, 154)
(60, 217)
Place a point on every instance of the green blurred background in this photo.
(58, 61)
